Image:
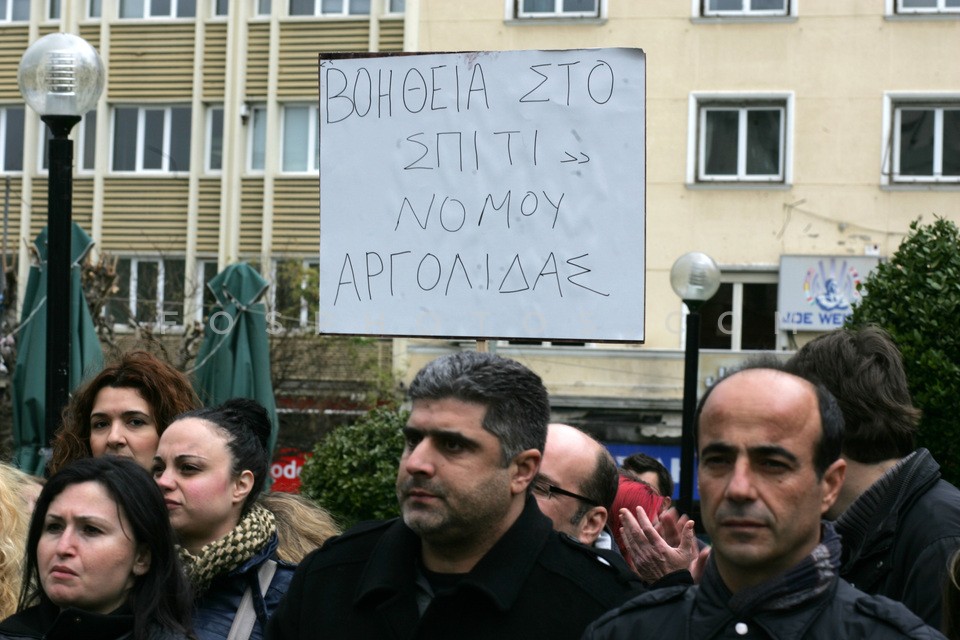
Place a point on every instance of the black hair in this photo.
(162, 595)
(518, 409)
(828, 448)
(247, 426)
(641, 463)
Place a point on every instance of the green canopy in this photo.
(29, 376)
(234, 359)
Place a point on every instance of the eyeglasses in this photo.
(543, 488)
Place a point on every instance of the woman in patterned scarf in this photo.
(211, 465)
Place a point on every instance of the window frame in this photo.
(79, 133)
(257, 112)
(132, 298)
(148, 15)
(7, 17)
(512, 12)
(700, 101)
(165, 169)
(896, 8)
(318, 11)
(4, 109)
(699, 9)
(208, 139)
(273, 316)
(313, 159)
(737, 278)
(893, 103)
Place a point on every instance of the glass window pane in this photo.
(179, 139)
(720, 149)
(117, 308)
(759, 313)
(951, 142)
(725, 5)
(131, 8)
(580, 6)
(216, 139)
(768, 5)
(332, 6)
(953, 4)
(399, 6)
(263, 7)
(21, 10)
(13, 145)
(125, 139)
(359, 7)
(147, 274)
(209, 300)
(919, 4)
(94, 9)
(159, 8)
(222, 7)
(186, 8)
(916, 142)
(295, 131)
(45, 163)
(174, 274)
(301, 7)
(89, 134)
(763, 142)
(259, 143)
(153, 151)
(716, 321)
(538, 6)
(54, 11)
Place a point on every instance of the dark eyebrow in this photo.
(774, 450)
(442, 435)
(718, 447)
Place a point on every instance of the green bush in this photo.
(353, 470)
(915, 296)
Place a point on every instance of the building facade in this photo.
(774, 128)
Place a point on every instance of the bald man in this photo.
(576, 484)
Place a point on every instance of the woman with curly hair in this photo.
(14, 517)
(122, 411)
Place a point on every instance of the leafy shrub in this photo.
(915, 296)
(353, 470)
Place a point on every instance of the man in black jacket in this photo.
(898, 519)
(472, 556)
(769, 467)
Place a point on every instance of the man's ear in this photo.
(831, 482)
(242, 486)
(524, 469)
(591, 525)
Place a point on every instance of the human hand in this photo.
(652, 555)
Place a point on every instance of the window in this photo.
(204, 300)
(214, 147)
(149, 291)
(11, 139)
(258, 139)
(85, 143)
(151, 139)
(262, 7)
(329, 7)
(927, 6)
(396, 6)
(926, 143)
(294, 293)
(740, 139)
(94, 8)
(746, 8)
(558, 8)
(158, 8)
(742, 315)
(300, 151)
(221, 8)
(54, 9)
(14, 11)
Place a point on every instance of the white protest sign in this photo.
(484, 195)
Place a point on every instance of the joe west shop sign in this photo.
(817, 293)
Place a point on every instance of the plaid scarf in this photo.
(229, 552)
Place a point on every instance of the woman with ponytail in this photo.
(211, 465)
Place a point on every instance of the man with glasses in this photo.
(471, 556)
(576, 485)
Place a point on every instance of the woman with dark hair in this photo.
(100, 560)
(122, 411)
(211, 465)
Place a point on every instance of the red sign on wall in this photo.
(286, 468)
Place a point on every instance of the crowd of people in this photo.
(823, 518)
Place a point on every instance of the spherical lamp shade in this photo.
(61, 75)
(695, 277)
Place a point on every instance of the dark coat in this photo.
(533, 583)
(217, 606)
(902, 552)
(47, 622)
(701, 613)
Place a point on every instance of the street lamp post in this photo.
(61, 78)
(694, 277)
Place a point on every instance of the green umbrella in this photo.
(29, 377)
(234, 359)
